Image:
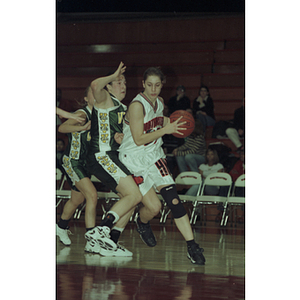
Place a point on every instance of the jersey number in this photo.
(162, 167)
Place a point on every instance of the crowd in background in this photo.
(195, 153)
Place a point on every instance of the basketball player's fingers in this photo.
(178, 132)
(121, 68)
(179, 119)
(181, 123)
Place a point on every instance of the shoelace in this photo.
(120, 246)
(69, 232)
(197, 249)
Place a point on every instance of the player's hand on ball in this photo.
(174, 127)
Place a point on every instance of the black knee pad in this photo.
(169, 193)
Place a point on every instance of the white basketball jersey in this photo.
(153, 120)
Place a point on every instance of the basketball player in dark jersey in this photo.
(74, 163)
(103, 161)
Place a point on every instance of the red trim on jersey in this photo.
(154, 124)
(154, 107)
(162, 167)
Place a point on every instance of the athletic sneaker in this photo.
(92, 246)
(195, 254)
(145, 232)
(120, 251)
(100, 235)
(63, 235)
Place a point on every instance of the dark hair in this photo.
(61, 140)
(216, 156)
(87, 91)
(180, 87)
(108, 74)
(152, 71)
(204, 87)
(82, 103)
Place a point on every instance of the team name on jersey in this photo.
(155, 123)
(121, 116)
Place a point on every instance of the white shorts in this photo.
(155, 175)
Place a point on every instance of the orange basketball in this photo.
(188, 118)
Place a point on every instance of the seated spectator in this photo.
(238, 170)
(212, 165)
(191, 154)
(237, 129)
(203, 108)
(60, 148)
(180, 101)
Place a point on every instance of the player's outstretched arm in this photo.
(100, 94)
(71, 125)
(64, 114)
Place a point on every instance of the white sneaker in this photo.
(120, 251)
(63, 235)
(92, 246)
(100, 235)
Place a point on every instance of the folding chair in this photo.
(61, 194)
(184, 178)
(234, 200)
(214, 179)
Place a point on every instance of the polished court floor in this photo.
(162, 272)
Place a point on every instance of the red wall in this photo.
(190, 52)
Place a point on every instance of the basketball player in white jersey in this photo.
(141, 152)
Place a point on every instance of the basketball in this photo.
(186, 117)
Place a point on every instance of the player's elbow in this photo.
(138, 141)
(94, 86)
(60, 129)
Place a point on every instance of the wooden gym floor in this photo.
(162, 272)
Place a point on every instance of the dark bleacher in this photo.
(191, 52)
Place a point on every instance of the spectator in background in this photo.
(239, 167)
(238, 170)
(60, 148)
(191, 154)
(180, 101)
(212, 165)
(203, 108)
(237, 129)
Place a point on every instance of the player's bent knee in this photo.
(170, 195)
(156, 209)
(175, 201)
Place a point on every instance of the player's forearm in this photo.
(98, 84)
(166, 120)
(68, 128)
(147, 138)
